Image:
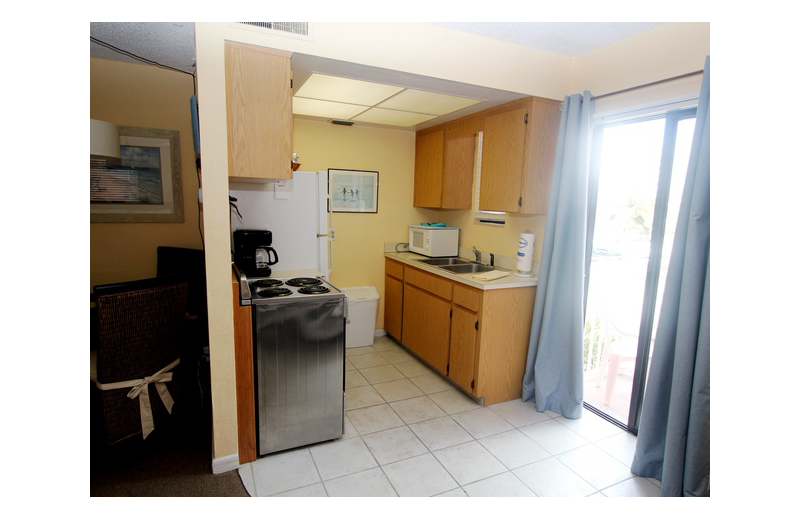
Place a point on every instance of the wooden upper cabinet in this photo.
(459, 164)
(502, 161)
(259, 112)
(428, 163)
(519, 146)
(544, 122)
(443, 169)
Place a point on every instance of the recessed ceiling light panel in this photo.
(384, 116)
(328, 109)
(344, 90)
(337, 97)
(427, 102)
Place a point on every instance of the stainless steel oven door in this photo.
(299, 351)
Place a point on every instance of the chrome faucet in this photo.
(477, 254)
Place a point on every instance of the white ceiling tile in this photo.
(384, 116)
(344, 90)
(320, 108)
(424, 102)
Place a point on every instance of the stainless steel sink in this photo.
(444, 261)
(467, 268)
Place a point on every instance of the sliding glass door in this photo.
(638, 171)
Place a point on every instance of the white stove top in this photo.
(268, 289)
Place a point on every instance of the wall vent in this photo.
(293, 29)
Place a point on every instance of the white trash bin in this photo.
(362, 309)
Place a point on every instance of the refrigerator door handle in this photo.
(330, 226)
(330, 256)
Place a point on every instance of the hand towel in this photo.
(490, 275)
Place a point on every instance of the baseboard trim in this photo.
(225, 464)
(379, 333)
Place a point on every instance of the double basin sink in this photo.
(457, 265)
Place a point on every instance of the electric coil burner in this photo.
(303, 282)
(313, 289)
(273, 292)
(270, 288)
(308, 285)
(267, 282)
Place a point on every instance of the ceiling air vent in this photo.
(293, 29)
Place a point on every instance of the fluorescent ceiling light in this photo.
(427, 102)
(344, 90)
(334, 97)
(330, 109)
(392, 117)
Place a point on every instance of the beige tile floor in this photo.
(408, 432)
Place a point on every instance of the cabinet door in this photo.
(544, 121)
(502, 163)
(428, 170)
(259, 112)
(426, 326)
(393, 308)
(463, 338)
(459, 166)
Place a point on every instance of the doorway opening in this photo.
(638, 171)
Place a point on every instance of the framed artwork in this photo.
(353, 191)
(146, 185)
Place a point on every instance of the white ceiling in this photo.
(569, 39)
(172, 44)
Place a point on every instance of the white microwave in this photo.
(433, 241)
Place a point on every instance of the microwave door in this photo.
(417, 239)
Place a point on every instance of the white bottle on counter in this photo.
(525, 254)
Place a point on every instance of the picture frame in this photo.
(146, 186)
(353, 191)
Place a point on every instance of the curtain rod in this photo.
(688, 74)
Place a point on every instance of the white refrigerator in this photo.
(297, 213)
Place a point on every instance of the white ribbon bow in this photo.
(140, 388)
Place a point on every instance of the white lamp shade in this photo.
(104, 139)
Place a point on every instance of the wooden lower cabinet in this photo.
(463, 343)
(503, 337)
(245, 372)
(426, 326)
(477, 339)
(393, 308)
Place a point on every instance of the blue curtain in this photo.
(554, 370)
(674, 442)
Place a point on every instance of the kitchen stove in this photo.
(298, 344)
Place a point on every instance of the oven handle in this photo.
(245, 297)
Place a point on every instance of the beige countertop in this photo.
(506, 282)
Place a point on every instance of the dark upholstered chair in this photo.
(139, 330)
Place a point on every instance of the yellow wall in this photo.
(150, 97)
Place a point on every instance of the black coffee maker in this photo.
(252, 252)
